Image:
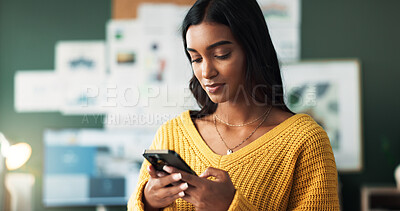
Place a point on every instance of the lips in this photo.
(213, 88)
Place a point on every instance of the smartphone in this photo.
(160, 158)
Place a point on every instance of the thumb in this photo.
(217, 173)
(152, 171)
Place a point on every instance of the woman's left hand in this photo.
(206, 194)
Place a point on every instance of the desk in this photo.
(380, 198)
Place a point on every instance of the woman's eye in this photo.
(224, 56)
(196, 60)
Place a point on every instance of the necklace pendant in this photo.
(229, 151)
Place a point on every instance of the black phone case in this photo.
(159, 158)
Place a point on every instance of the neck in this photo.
(240, 113)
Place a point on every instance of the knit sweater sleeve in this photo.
(315, 181)
(135, 202)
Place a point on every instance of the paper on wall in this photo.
(81, 64)
(283, 18)
(278, 12)
(162, 91)
(85, 95)
(37, 91)
(286, 41)
(123, 45)
(80, 57)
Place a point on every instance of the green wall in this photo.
(367, 30)
(29, 31)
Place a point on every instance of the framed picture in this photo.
(330, 92)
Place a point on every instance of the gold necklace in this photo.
(241, 125)
(230, 150)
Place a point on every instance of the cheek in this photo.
(238, 69)
(241, 65)
(196, 72)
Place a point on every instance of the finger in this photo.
(161, 174)
(164, 181)
(189, 178)
(176, 196)
(174, 190)
(217, 173)
(191, 190)
(170, 169)
(152, 171)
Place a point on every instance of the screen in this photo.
(84, 167)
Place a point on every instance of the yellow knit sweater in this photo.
(291, 167)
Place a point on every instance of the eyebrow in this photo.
(223, 42)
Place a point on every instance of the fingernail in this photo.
(184, 186)
(182, 194)
(167, 169)
(177, 176)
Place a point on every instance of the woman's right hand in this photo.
(157, 193)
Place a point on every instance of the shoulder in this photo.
(307, 126)
(170, 131)
(312, 136)
(306, 141)
(299, 123)
(179, 121)
(305, 122)
(302, 128)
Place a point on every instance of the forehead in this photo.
(205, 34)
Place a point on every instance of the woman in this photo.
(250, 151)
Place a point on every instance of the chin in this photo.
(220, 96)
(216, 98)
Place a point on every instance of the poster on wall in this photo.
(85, 95)
(37, 91)
(80, 57)
(283, 18)
(123, 47)
(81, 65)
(329, 91)
(157, 89)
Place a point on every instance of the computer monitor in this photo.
(90, 167)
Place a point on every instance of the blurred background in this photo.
(83, 84)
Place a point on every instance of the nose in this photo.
(208, 70)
